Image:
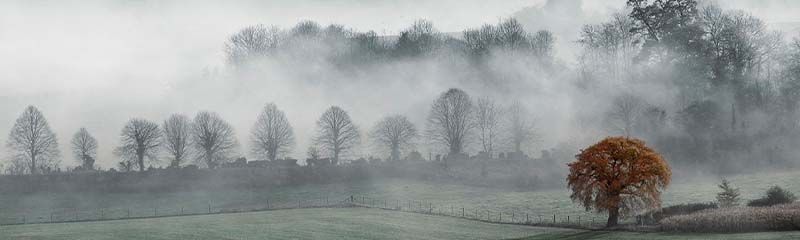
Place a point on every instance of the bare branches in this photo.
(487, 120)
(84, 148)
(336, 133)
(521, 129)
(625, 112)
(32, 144)
(272, 135)
(394, 133)
(252, 42)
(450, 120)
(213, 138)
(177, 134)
(139, 139)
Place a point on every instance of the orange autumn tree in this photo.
(618, 175)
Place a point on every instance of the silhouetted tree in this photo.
(487, 119)
(84, 147)
(213, 139)
(252, 42)
(272, 134)
(336, 133)
(421, 38)
(33, 146)
(626, 109)
(139, 139)
(394, 133)
(450, 120)
(177, 135)
(520, 126)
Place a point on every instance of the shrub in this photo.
(729, 196)
(782, 217)
(775, 195)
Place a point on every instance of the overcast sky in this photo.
(97, 63)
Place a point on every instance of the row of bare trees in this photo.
(454, 119)
(211, 141)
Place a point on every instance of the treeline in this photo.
(208, 141)
(732, 84)
(344, 47)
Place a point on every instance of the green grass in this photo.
(37, 207)
(341, 223)
(338, 223)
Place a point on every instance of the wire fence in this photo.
(480, 213)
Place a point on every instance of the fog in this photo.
(95, 64)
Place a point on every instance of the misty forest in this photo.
(659, 117)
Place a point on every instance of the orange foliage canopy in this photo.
(618, 174)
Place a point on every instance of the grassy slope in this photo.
(545, 202)
(328, 224)
(280, 224)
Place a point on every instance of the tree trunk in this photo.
(140, 162)
(613, 217)
(395, 152)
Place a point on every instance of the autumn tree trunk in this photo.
(613, 217)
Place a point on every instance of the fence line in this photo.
(480, 213)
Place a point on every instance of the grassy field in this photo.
(38, 207)
(340, 223)
(357, 223)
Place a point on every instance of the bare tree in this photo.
(139, 139)
(625, 112)
(394, 133)
(450, 120)
(177, 135)
(487, 120)
(252, 42)
(213, 139)
(272, 134)
(84, 147)
(33, 146)
(336, 133)
(521, 129)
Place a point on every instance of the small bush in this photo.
(729, 197)
(775, 195)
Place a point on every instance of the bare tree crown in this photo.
(84, 148)
(336, 133)
(450, 120)
(272, 134)
(140, 139)
(32, 145)
(213, 138)
(177, 135)
(394, 133)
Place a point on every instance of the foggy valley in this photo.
(540, 119)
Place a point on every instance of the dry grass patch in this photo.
(785, 217)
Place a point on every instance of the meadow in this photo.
(335, 223)
(66, 206)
